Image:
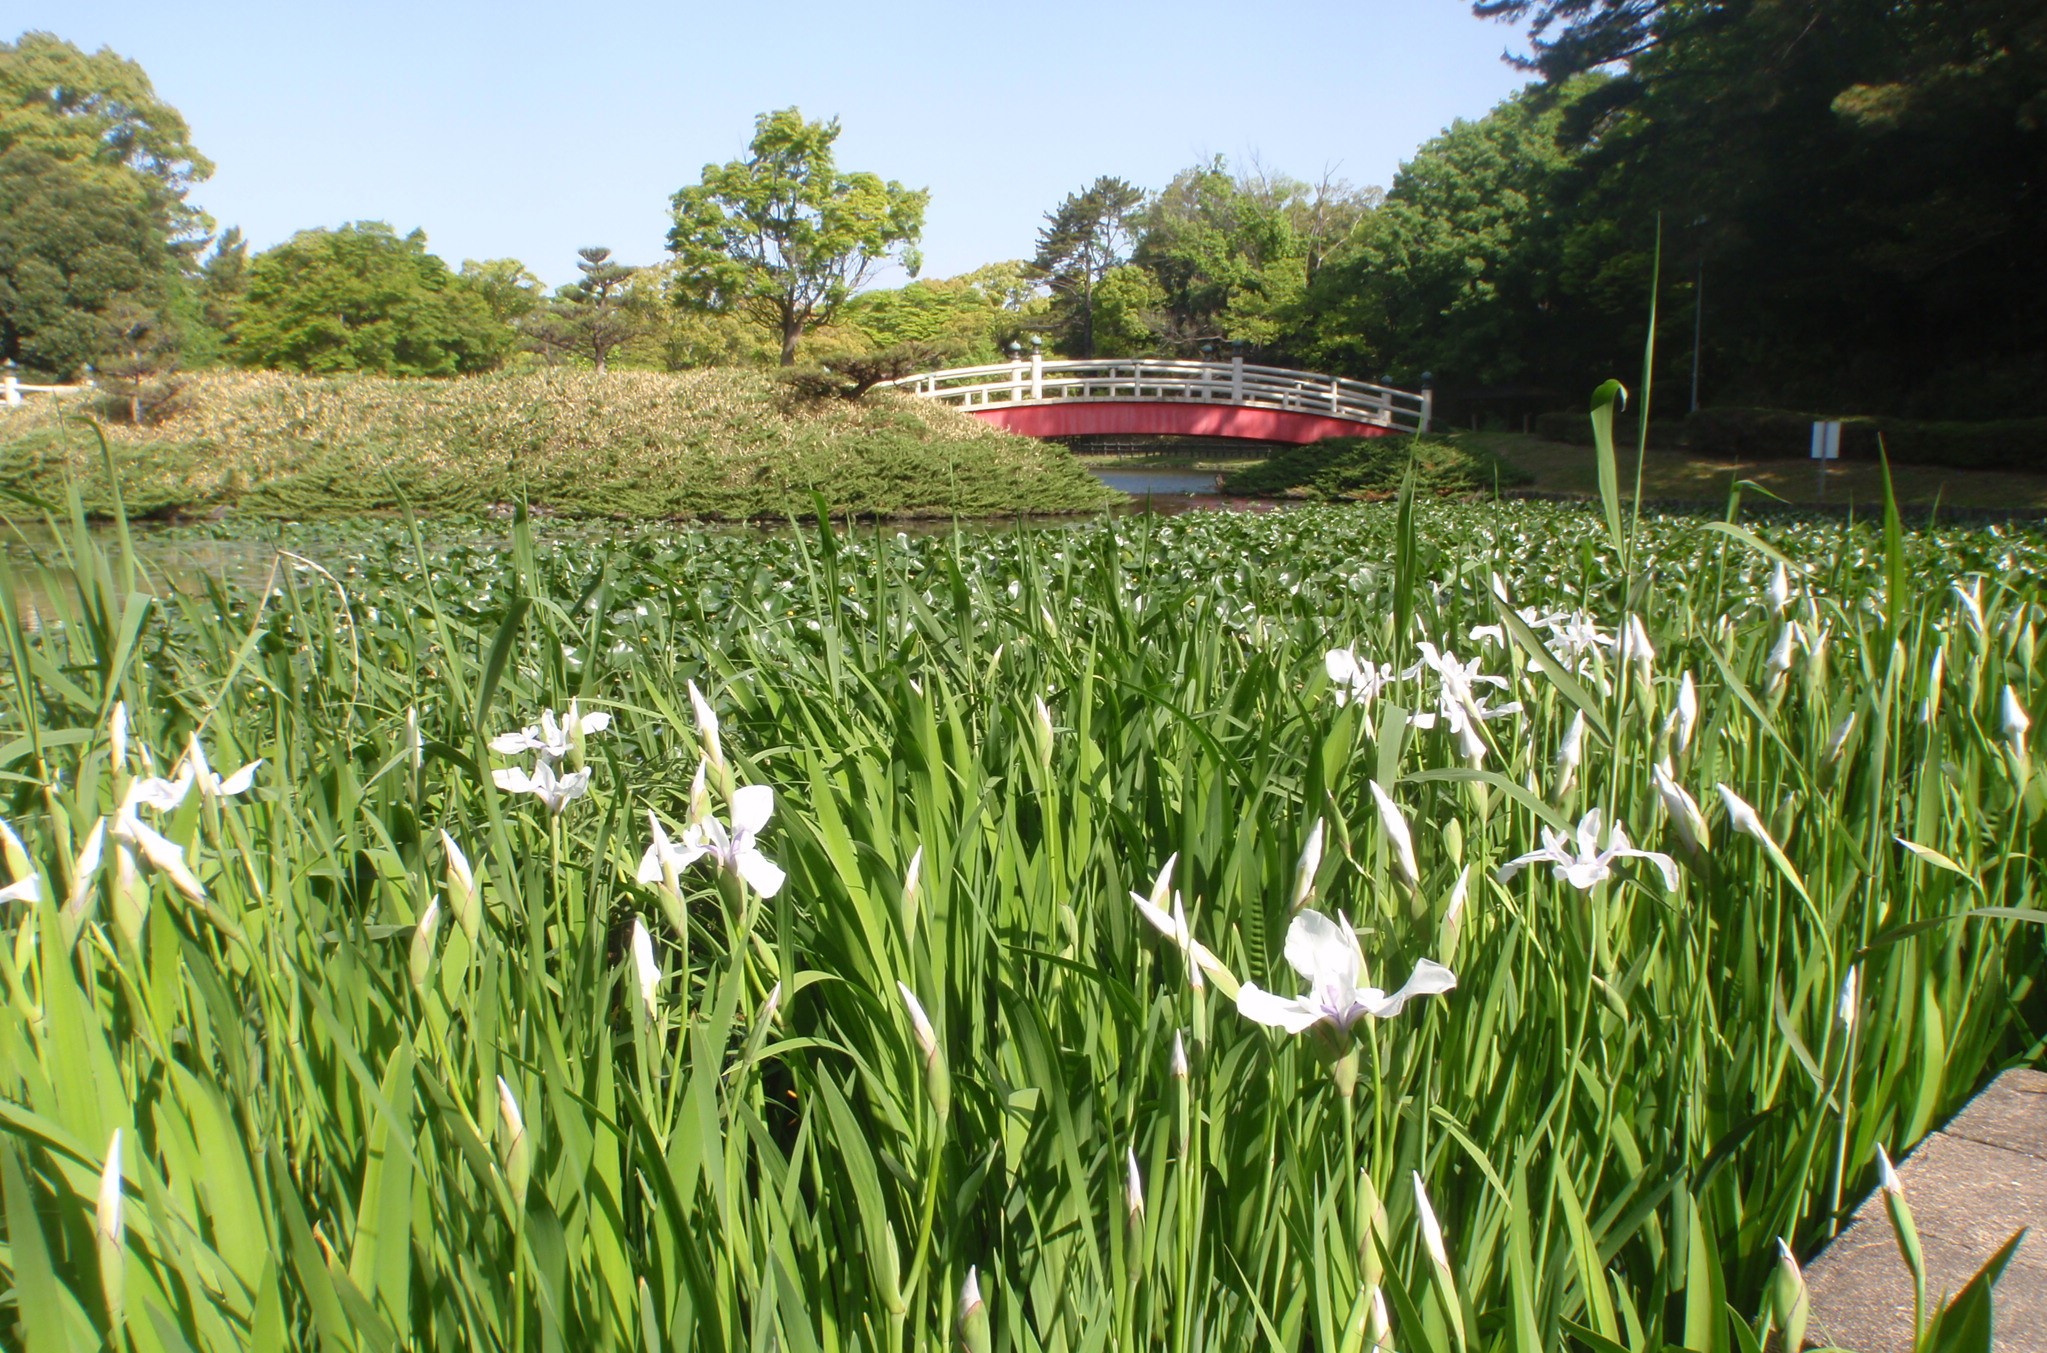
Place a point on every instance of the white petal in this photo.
(1341, 664)
(1432, 1230)
(648, 970)
(28, 890)
(1430, 978)
(514, 780)
(1162, 886)
(88, 865)
(512, 744)
(165, 855)
(1583, 874)
(1323, 951)
(160, 794)
(761, 873)
(239, 782)
(707, 718)
(1262, 1007)
(458, 863)
(1396, 835)
(1161, 920)
(1741, 816)
(596, 723)
(1507, 871)
(650, 865)
(752, 806)
(1664, 865)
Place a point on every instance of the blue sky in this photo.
(521, 130)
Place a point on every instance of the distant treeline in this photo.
(1849, 201)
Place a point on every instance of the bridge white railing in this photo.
(11, 390)
(1150, 380)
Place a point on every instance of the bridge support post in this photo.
(12, 395)
(1236, 380)
(1428, 401)
(1037, 374)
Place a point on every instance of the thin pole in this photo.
(1698, 325)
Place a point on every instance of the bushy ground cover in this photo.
(1350, 469)
(821, 941)
(723, 442)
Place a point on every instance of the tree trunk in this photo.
(602, 354)
(792, 330)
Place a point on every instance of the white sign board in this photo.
(1826, 440)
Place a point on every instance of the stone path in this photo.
(1970, 1185)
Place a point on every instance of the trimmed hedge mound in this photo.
(1346, 469)
(727, 444)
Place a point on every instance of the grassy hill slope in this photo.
(717, 443)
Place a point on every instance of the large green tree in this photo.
(784, 235)
(1859, 185)
(1084, 239)
(1232, 253)
(94, 170)
(364, 298)
(1463, 269)
(75, 240)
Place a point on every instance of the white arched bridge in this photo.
(1156, 397)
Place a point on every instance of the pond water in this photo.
(1161, 483)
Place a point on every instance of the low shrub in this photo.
(1339, 469)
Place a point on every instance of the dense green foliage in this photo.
(363, 298)
(969, 320)
(1343, 469)
(1847, 199)
(1462, 271)
(784, 237)
(366, 1097)
(1858, 184)
(724, 444)
(93, 175)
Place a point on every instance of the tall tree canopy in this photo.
(1861, 186)
(783, 235)
(94, 169)
(1084, 240)
(364, 298)
(1463, 268)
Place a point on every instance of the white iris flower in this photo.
(1325, 953)
(550, 738)
(1579, 859)
(1360, 679)
(554, 791)
(733, 849)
